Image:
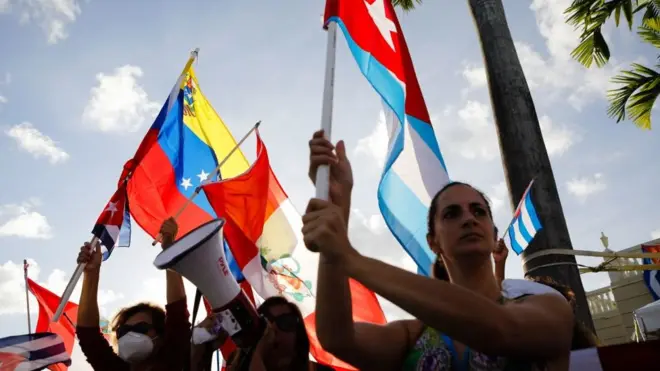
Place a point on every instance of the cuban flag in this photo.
(524, 225)
(113, 227)
(414, 168)
(32, 352)
(652, 278)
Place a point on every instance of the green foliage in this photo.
(639, 85)
(406, 4)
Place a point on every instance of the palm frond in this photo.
(592, 48)
(649, 31)
(637, 95)
(406, 5)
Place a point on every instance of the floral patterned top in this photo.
(434, 351)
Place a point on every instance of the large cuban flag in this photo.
(414, 168)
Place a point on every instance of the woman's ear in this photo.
(432, 244)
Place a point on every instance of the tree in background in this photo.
(639, 86)
(523, 151)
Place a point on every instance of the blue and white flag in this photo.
(32, 352)
(524, 225)
(414, 168)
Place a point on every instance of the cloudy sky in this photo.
(80, 82)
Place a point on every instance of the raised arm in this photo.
(360, 344)
(499, 256)
(174, 281)
(98, 352)
(539, 326)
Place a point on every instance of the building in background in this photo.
(612, 306)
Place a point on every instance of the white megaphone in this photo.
(199, 257)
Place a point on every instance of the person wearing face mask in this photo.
(147, 337)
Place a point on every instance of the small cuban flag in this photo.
(113, 227)
(524, 225)
(652, 277)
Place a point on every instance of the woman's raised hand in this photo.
(168, 231)
(91, 256)
(322, 152)
(324, 230)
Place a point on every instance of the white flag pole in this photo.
(323, 173)
(81, 267)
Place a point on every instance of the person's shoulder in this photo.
(518, 288)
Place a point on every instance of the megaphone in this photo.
(199, 257)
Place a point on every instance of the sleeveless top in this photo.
(434, 351)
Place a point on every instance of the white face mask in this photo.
(135, 347)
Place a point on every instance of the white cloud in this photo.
(498, 196)
(584, 187)
(31, 140)
(118, 103)
(475, 76)
(558, 139)
(557, 75)
(3, 99)
(12, 288)
(7, 78)
(20, 220)
(655, 234)
(375, 144)
(53, 16)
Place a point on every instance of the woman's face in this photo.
(462, 226)
(285, 323)
(140, 322)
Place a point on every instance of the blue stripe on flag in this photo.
(403, 211)
(378, 75)
(405, 215)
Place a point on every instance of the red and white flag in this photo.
(263, 231)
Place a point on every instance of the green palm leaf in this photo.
(406, 5)
(635, 98)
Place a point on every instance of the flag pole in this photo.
(323, 172)
(215, 172)
(81, 267)
(217, 359)
(27, 296)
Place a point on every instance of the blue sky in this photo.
(80, 82)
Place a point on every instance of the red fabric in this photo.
(153, 196)
(9, 361)
(65, 327)
(246, 202)
(364, 32)
(366, 308)
(172, 356)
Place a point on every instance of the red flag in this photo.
(65, 327)
(262, 222)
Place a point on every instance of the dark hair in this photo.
(433, 209)
(301, 358)
(583, 337)
(157, 316)
(439, 270)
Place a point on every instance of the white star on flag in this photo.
(385, 25)
(112, 208)
(203, 176)
(185, 183)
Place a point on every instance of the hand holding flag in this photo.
(323, 153)
(90, 255)
(324, 230)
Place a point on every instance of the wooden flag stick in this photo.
(215, 172)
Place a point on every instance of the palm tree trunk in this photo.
(523, 151)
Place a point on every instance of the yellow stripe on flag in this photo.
(210, 129)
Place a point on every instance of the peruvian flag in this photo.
(263, 231)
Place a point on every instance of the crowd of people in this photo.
(467, 316)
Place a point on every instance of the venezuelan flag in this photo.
(181, 149)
